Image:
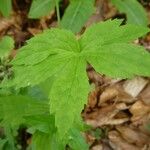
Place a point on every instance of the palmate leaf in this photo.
(107, 46)
(60, 46)
(76, 15)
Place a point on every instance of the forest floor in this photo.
(118, 110)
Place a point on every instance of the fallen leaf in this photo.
(118, 143)
(145, 95)
(138, 110)
(133, 136)
(135, 86)
(109, 94)
(105, 116)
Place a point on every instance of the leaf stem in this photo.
(58, 12)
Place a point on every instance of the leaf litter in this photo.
(123, 109)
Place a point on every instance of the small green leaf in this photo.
(76, 15)
(98, 133)
(44, 123)
(41, 8)
(77, 141)
(6, 44)
(14, 108)
(43, 141)
(5, 7)
(134, 10)
(2, 143)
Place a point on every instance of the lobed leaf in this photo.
(120, 60)
(57, 45)
(107, 46)
(110, 32)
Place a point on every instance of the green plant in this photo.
(134, 11)
(75, 16)
(58, 56)
(6, 44)
(41, 8)
(5, 7)
(77, 11)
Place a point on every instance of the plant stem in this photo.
(58, 12)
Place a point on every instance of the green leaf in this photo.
(2, 143)
(44, 123)
(77, 141)
(14, 108)
(41, 8)
(64, 100)
(5, 7)
(76, 15)
(120, 60)
(134, 10)
(60, 46)
(97, 133)
(6, 44)
(110, 53)
(110, 32)
(43, 141)
(9, 135)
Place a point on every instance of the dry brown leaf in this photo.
(5, 23)
(97, 78)
(140, 121)
(97, 147)
(124, 97)
(105, 116)
(92, 98)
(135, 86)
(145, 95)
(109, 94)
(115, 93)
(118, 143)
(89, 138)
(138, 110)
(34, 31)
(133, 136)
